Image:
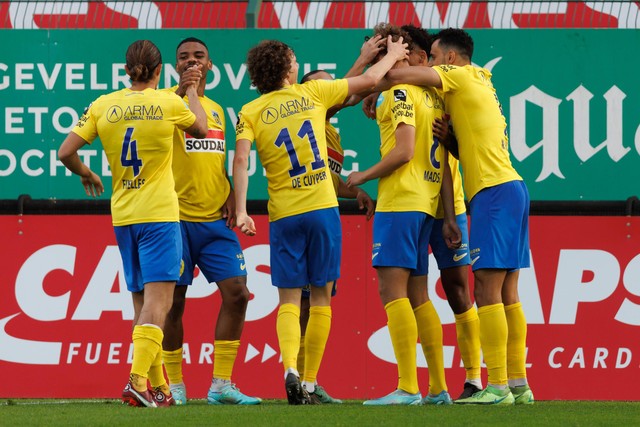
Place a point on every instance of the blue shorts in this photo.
(306, 249)
(401, 239)
(500, 227)
(445, 257)
(151, 252)
(214, 248)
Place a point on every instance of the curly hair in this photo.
(456, 39)
(269, 63)
(142, 57)
(384, 29)
(419, 36)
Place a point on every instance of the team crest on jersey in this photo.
(216, 118)
(400, 95)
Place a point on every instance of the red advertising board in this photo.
(332, 14)
(65, 314)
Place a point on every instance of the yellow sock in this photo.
(173, 365)
(468, 334)
(288, 329)
(147, 343)
(224, 356)
(404, 336)
(493, 336)
(301, 355)
(430, 332)
(315, 339)
(516, 341)
(156, 374)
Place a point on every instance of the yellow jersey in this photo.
(288, 127)
(335, 155)
(136, 129)
(480, 127)
(199, 168)
(415, 186)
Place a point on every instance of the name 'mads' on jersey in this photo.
(199, 167)
(288, 127)
(479, 125)
(415, 186)
(136, 130)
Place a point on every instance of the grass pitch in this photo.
(277, 412)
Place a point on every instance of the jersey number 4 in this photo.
(129, 156)
(284, 138)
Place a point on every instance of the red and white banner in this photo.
(65, 314)
(319, 15)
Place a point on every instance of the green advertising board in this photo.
(572, 115)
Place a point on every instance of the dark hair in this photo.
(456, 39)
(269, 63)
(194, 40)
(385, 30)
(307, 76)
(143, 57)
(419, 36)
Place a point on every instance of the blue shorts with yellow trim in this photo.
(151, 252)
(401, 239)
(306, 249)
(445, 257)
(214, 248)
(500, 227)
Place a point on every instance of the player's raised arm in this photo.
(396, 51)
(369, 50)
(418, 76)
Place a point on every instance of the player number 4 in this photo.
(129, 156)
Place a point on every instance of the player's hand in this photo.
(245, 223)
(441, 129)
(92, 184)
(371, 48)
(351, 101)
(365, 202)
(452, 235)
(190, 77)
(356, 178)
(369, 105)
(229, 210)
(398, 49)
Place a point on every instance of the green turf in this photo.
(275, 413)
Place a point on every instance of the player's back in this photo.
(479, 125)
(136, 130)
(288, 126)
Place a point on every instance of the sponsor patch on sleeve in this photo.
(399, 95)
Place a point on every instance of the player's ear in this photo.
(451, 57)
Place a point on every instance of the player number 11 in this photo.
(284, 137)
